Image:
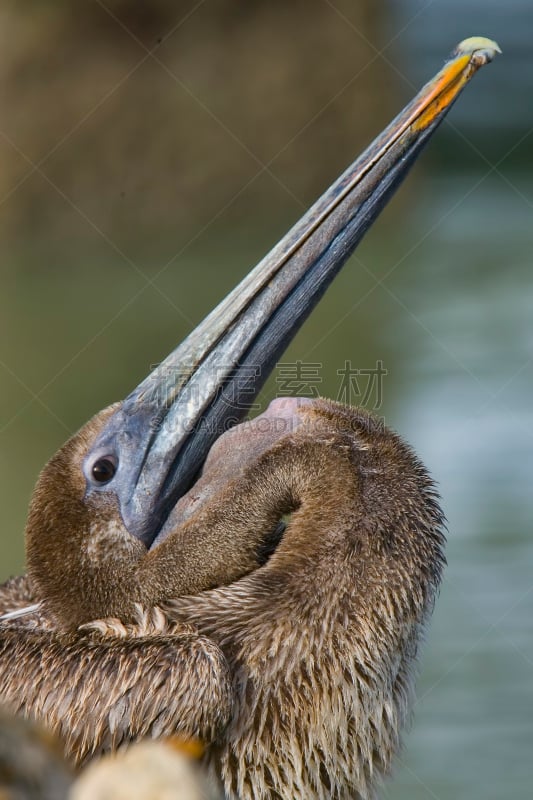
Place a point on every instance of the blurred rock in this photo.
(31, 763)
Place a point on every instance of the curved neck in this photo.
(321, 640)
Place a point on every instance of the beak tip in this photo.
(479, 46)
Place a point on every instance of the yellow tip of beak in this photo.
(479, 45)
(439, 93)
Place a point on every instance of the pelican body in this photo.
(272, 606)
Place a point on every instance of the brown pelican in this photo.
(273, 607)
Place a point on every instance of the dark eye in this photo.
(103, 470)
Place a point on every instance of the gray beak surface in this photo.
(160, 435)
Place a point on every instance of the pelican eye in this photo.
(103, 470)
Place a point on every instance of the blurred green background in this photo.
(153, 152)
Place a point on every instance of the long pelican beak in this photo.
(158, 438)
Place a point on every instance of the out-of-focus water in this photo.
(467, 343)
(443, 300)
(467, 336)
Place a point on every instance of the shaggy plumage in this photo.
(297, 673)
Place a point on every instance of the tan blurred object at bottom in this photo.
(149, 770)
